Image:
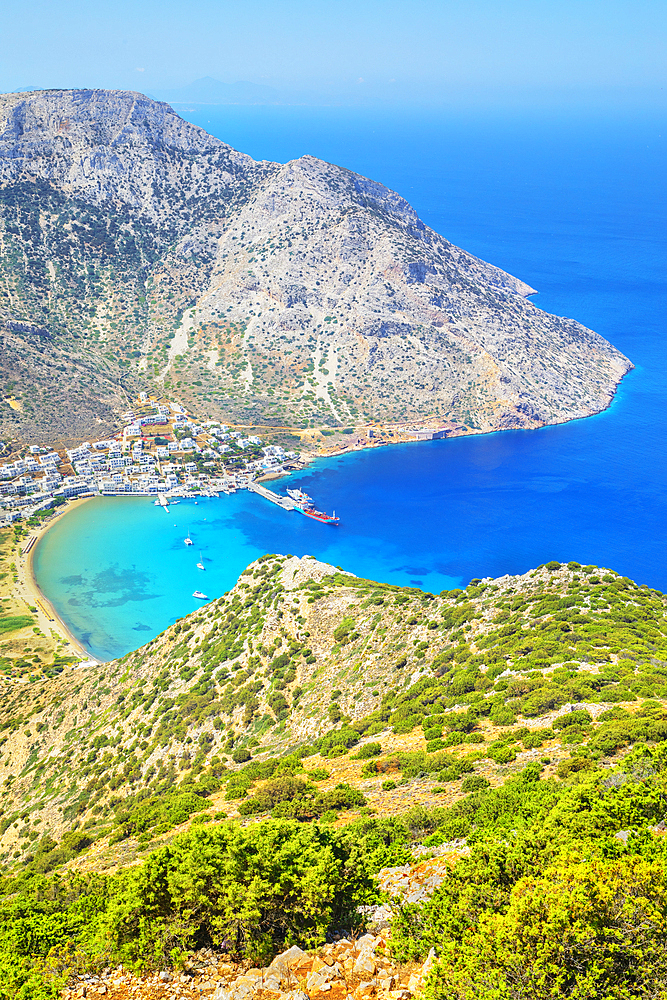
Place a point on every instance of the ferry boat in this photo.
(318, 515)
(200, 597)
(300, 497)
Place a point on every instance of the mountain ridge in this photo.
(151, 254)
(225, 698)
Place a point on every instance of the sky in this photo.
(346, 50)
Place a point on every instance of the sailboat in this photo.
(200, 564)
(188, 540)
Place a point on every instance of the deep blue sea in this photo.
(576, 205)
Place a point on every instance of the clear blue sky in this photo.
(411, 47)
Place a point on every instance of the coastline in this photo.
(366, 438)
(362, 442)
(321, 450)
(47, 616)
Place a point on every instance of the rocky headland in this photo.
(138, 251)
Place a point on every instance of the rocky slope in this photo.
(347, 968)
(360, 694)
(136, 249)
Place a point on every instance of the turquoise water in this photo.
(577, 208)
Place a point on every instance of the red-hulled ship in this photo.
(317, 515)
(304, 504)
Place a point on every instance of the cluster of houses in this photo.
(161, 449)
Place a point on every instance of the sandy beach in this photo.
(27, 589)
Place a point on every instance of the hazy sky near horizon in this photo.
(337, 46)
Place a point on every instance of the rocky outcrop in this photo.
(344, 970)
(112, 148)
(151, 253)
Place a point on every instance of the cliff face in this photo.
(138, 250)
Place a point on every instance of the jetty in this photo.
(162, 500)
(285, 502)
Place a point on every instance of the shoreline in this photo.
(311, 454)
(47, 615)
(49, 619)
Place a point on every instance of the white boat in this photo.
(188, 541)
(300, 497)
(200, 597)
(200, 564)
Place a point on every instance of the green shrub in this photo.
(342, 632)
(460, 722)
(275, 791)
(474, 783)
(253, 891)
(257, 889)
(578, 929)
(158, 813)
(501, 715)
(574, 764)
(408, 724)
(576, 718)
(368, 750)
(536, 737)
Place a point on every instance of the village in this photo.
(161, 449)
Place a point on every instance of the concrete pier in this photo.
(285, 502)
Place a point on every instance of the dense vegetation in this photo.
(204, 720)
(564, 893)
(249, 892)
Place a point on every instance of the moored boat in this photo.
(300, 497)
(318, 515)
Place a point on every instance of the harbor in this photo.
(296, 500)
(161, 451)
(285, 502)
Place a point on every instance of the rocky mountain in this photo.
(361, 694)
(136, 250)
